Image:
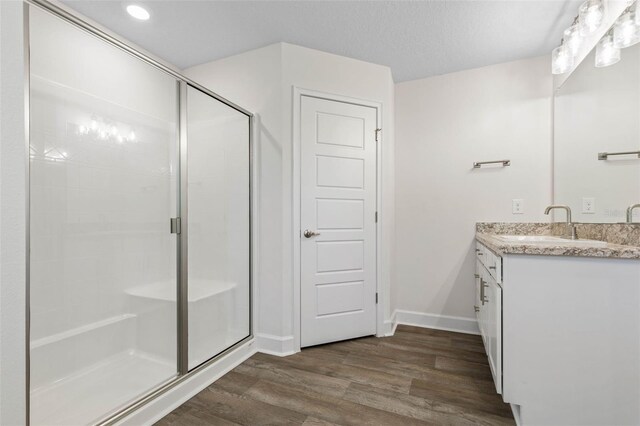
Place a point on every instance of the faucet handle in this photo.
(559, 206)
(630, 212)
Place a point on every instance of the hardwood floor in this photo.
(418, 376)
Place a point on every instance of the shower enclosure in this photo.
(139, 268)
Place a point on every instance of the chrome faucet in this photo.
(630, 212)
(571, 228)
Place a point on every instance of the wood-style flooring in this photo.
(418, 376)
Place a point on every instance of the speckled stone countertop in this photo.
(623, 240)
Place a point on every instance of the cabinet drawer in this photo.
(494, 265)
(480, 252)
(491, 261)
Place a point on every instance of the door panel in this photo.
(218, 226)
(338, 199)
(339, 298)
(340, 172)
(340, 130)
(340, 214)
(103, 185)
(336, 256)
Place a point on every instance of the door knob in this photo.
(310, 234)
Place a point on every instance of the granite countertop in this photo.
(488, 234)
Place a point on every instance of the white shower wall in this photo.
(99, 208)
(103, 185)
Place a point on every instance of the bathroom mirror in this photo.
(596, 120)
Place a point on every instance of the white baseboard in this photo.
(515, 409)
(179, 394)
(275, 345)
(388, 328)
(439, 322)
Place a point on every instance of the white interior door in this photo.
(338, 206)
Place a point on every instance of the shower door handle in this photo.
(176, 225)
(310, 234)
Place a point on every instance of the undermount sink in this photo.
(548, 239)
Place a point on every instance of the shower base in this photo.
(92, 393)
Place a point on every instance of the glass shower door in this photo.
(103, 186)
(218, 226)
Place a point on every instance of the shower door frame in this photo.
(182, 306)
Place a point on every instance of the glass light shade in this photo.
(590, 16)
(561, 60)
(573, 38)
(606, 53)
(625, 30)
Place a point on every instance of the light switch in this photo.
(517, 206)
(588, 205)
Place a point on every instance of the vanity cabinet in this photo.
(562, 334)
(489, 308)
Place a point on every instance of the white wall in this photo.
(443, 125)
(262, 80)
(13, 161)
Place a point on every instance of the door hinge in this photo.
(377, 133)
(176, 226)
(376, 217)
(376, 298)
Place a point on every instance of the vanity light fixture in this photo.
(561, 59)
(606, 53)
(138, 12)
(626, 31)
(572, 37)
(590, 15)
(588, 20)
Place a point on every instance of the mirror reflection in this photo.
(597, 135)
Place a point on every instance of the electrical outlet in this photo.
(517, 206)
(588, 205)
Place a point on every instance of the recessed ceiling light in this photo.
(138, 12)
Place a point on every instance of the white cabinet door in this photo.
(493, 342)
(338, 202)
(481, 287)
(489, 310)
(477, 303)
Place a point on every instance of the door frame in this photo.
(296, 229)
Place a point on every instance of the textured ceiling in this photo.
(415, 38)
